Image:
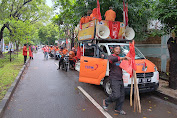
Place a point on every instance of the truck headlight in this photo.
(155, 68)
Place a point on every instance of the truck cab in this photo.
(95, 70)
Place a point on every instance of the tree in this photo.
(167, 13)
(48, 34)
(18, 16)
(138, 10)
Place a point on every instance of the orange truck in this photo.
(96, 40)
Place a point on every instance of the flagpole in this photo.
(131, 91)
(136, 93)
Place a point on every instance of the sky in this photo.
(49, 3)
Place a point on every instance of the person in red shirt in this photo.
(30, 52)
(25, 53)
(110, 15)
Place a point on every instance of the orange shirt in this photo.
(87, 19)
(25, 51)
(51, 48)
(82, 20)
(71, 55)
(94, 14)
(110, 15)
(57, 49)
(64, 51)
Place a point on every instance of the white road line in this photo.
(56, 64)
(106, 114)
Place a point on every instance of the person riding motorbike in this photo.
(51, 51)
(63, 52)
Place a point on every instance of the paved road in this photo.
(45, 92)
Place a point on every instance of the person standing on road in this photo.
(25, 53)
(116, 81)
(46, 50)
(30, 52)
(71, 58)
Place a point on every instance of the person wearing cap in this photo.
(110, 15)
(116, 81)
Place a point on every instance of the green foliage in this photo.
(140, 12)
(166, 11)
(48, 34)
(22, 19)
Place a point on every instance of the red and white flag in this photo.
(125, 13)
(98, 11)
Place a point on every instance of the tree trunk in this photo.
(173, 67)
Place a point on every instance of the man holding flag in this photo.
(116, 81)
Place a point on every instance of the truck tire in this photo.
(107, 86)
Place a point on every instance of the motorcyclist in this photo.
(51, 49)
(63, 51)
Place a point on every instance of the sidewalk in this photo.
(164, 89)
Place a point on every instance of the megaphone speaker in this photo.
(103, 32)
(129, 33)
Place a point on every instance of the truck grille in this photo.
(145, 75)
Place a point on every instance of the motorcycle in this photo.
(51, 54)
(65, 64)
(57, 55)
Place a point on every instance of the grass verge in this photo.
(9, 71)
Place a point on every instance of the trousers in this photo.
(117, 95)
(25, 57)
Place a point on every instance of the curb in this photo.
(11, 90)
(165, 97)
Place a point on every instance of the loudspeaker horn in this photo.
(129, 33)
(103, 32)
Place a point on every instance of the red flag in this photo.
(78, 52)
(80, 24)
(98, 11)
(129, 65)
(125, 13)
(66, 41)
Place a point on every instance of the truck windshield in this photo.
(125, 50)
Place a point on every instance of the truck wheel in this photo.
(107, 86)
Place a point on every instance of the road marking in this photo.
(106, 114)
(56, 64)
